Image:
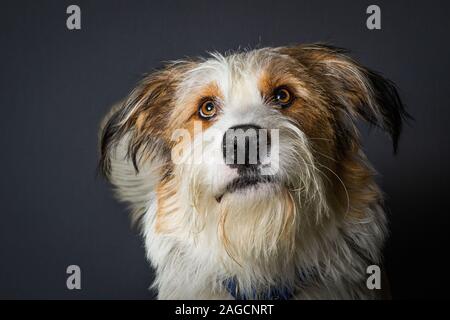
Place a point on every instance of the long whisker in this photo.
(343, 185)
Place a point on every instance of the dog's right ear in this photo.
(133, 137)
(137, 122)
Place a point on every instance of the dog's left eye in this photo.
(283, 97)
(207, 109)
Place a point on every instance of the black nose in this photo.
(241, 146)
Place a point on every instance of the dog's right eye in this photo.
(207, 109)
(283, 97)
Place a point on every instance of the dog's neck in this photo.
(254, 242)
(259, 243)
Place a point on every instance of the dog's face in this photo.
(265, 139)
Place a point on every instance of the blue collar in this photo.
(285, 292)
(274, 293)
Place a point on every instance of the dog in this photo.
(299, 218)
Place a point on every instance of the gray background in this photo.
(56, 85)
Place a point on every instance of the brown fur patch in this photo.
(350, 179)
(310, 109)
(358, 178)
(186, 114)
(144, 115)
(166, 206)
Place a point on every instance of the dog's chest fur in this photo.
(195, 266)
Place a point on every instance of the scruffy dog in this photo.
(246, 174)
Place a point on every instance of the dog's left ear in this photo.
(359, 90)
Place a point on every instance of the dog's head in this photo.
(254, 145)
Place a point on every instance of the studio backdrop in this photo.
(60, 76)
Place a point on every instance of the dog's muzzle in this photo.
(244, 148)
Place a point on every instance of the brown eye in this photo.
(207, 110)
(282, 96)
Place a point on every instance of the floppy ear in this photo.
(359, 90)
(138, 121)
(133, 142)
